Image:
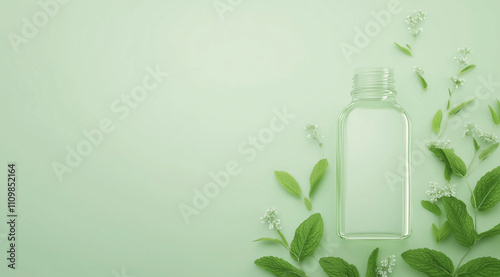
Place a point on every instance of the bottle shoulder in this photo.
(374, 107)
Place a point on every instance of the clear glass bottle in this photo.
(373, 160)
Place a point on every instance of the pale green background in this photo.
(119, 208)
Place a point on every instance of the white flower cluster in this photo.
(271, 218)
(464, 50)
(441, 144)
(313, 133)
(472, 130)
(438, 191)
(413, 20)
(457, 82)
(386, 266)
(418, 70)
(462, 61)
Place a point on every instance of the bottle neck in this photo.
(373, 83)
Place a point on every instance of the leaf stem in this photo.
(473, 199)
(461, 260)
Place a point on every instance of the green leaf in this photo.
(406, 51)
(476, 145)
(283, 239)
(422, 81)
(486, 152)
(494, 116)
(449, 157)
(436, 121)
(435, 232)
(487, 190)
(470, 67)
(444, 231)
(449, 102)
(456, 164)
(337, 267)
(409, 47)
(495, 231)
(270, 240)
(371, 270)
(317, 174)
(431, 207)
(307, 237)
(449, 94)
(308, 203)
(447, 172)
(279, 267)
(431, 262)
(460, 221)
(288, 182)
(459, 107)
(480, 267)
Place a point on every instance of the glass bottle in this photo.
(373, 160)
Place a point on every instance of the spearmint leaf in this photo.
(431, 262)
(487, 190)
(455, 162)
(449, 93)
(495, 231)
(308, 203)
(279, 267)
(371, 270)
(494, 115)
(431, 207)
(480, 267)
(406, 51)
(447, 172)
(435, 232)
(470, 67)
(283, 239)
(422, 81)
(444, 231)
(486, 152)
(337, 267)
(270, 240)
(460, 221)
(409, 47)
(317, 174)
(307, 237)
(450, 159)
(436, 121)
(476, 146)
(288, 182)
(459, 107)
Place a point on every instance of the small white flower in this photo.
(462, 61)
(271, 218)
(415, 17)
(472, 130)
(418, 70)
(464, 50)
(386, 266)
(313, 133)
(457, 82)
(441, 144)
(437, 191)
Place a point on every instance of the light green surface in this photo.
(119, 209)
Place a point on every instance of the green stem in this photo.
(469, 168)
(474, 200)
(461, 260)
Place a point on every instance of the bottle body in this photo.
(373, 167)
